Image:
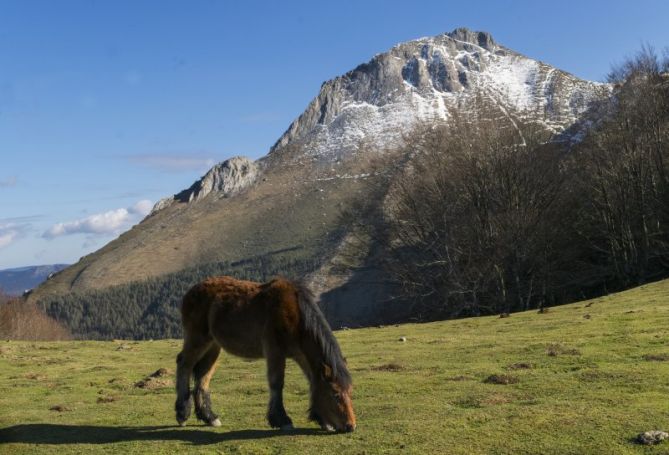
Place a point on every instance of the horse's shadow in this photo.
(45, 433)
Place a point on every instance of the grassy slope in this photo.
(595, 395)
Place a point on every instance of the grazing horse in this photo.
(275, 320)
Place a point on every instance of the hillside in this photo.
(348, 139)
(583, 378)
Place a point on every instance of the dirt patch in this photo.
(656, 357)
(520, 366)
(60, 408)
(34, 376)
(388, 367)
(468, 402)
(106, 399)
(556, 349)
(157, 380)
(501, 379)
(460, 378)
(496, 399)
(160, 372)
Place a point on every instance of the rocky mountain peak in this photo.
(482, 39)
(426, 79)
(225, 179)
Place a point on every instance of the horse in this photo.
(276, 321)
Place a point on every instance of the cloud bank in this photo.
(111, 222)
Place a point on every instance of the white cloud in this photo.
(173, 163)
(142, 208)
(10, 232)
(111, 222)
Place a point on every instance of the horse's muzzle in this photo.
(349, 427)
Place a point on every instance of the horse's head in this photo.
(331, 405)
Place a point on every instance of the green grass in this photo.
(593, 376)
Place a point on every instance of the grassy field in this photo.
(582, 378)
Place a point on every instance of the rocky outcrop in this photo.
(225, 179)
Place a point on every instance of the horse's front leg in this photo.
(276, 368)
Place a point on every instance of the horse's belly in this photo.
(245, 350)
(238, 335)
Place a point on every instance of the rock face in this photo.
(225, 179)
(428, 79)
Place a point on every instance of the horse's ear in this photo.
(327, 371)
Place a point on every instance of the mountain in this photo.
(18, 280)
(349, 136)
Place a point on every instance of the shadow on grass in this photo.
(45, 433)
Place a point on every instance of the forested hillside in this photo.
(150, 308)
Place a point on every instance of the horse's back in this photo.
(239, 314)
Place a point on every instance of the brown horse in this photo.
(275, 320)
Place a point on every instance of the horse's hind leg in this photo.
(202, 372)
(191, 353)
(276, 368)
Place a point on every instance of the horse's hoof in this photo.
(216, 423)
(287, 427)
(182, 424)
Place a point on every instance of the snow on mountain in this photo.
(425, 79)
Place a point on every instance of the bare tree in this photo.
(475, 224)
(624, 173)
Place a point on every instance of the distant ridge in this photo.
(16, 281)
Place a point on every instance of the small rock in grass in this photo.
(652, 437)
(403, 339)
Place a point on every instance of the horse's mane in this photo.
(318, 328)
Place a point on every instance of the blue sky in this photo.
(108, 106)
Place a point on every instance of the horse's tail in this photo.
(316, 327)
